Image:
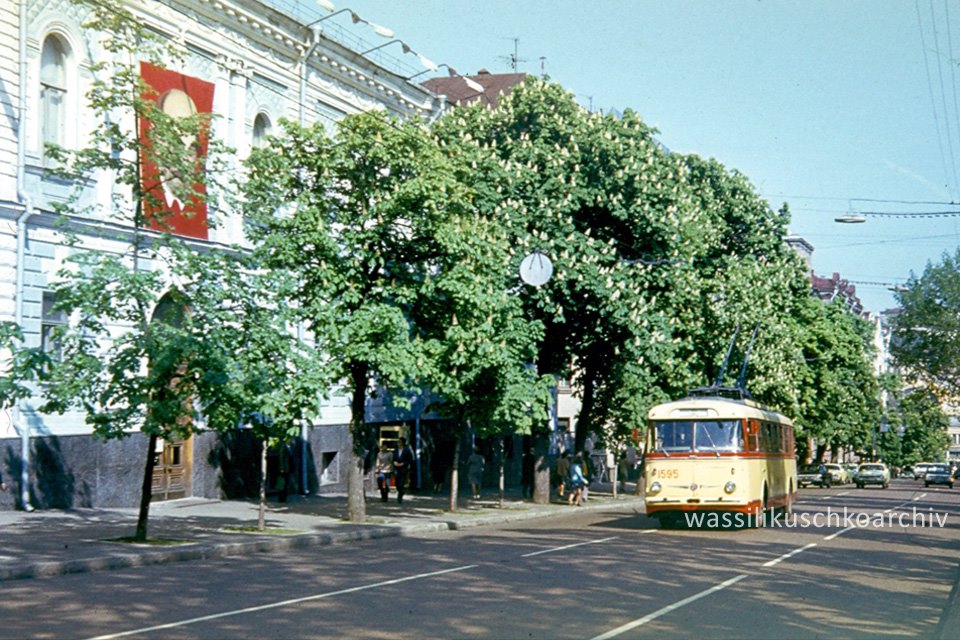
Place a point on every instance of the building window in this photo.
(53, 91)
(52, 319)
(261, 129)
(329, 470)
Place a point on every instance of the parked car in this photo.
(838, 475)
(920, 470)
(873, 473)
(938, 474)
(811, 474)
(907, 472)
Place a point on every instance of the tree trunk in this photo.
(613, 472)
(261, 514)
(541, 469)
(821, 451)
(585, 416)
(146, 491)
(356, 440)
(455, 472)
(356, 495)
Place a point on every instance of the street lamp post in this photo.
(536, 269)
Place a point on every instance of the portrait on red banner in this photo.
(178, 96)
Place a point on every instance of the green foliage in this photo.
(599, 198)
(208, 353)
(926, 331)
(742, 274)
(658, 257)
(840, 394)
(265, 374)
(22, 368)
(477, 340)
(371, 222)
(917, 425)
(925, 437)
(357, 218)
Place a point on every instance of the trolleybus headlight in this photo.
(655, 487)
(730, 487)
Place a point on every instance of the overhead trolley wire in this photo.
(943, 94)
(933, 101)
(953, 73)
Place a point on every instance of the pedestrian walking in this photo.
(402, 464)
(563, 472)
(384, 470)
(475, 467)
(438, 470)
(586, 469)
(526, 473)
(283, 476)
(623, 470)
(577, 482)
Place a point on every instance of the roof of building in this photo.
(484, 87)
(837, 287)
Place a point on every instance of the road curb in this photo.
(950, 619)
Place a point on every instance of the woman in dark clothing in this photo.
(438, 469)
(526, 473)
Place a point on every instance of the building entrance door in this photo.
(172, 469)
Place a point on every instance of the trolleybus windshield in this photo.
(698, 435)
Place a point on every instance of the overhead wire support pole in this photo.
(726, 358)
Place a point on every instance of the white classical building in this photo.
(252, 65)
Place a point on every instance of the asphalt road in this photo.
(853, 563)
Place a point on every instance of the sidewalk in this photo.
(57, 542)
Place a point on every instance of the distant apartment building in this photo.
(835, 287)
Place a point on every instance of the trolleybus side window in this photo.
(770, 440)
(753, 435)
(770, 433)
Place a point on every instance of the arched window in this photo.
(261, 129)
(53, 91)
(170, 309)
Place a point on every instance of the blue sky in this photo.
(831, 106)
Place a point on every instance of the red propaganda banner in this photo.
(179, 96)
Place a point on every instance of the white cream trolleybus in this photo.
(718, 451)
